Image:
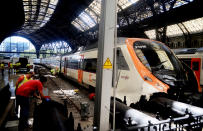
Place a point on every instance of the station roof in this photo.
(179, 29)
(76, 21)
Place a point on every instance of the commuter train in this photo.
(194, 59)
(144, 66)
(50, 62)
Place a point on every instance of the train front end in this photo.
(159, 67)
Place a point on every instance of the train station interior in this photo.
(100, 65)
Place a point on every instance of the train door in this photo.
(80, 71)
(196, 67)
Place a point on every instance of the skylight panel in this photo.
(46, 18)
(43, 9)
(34, 8)
(96, 6)
(173, 30)
(40, 18)
(82, 24)
(42, 24)
(194, 26)
(77, 26)
(27, 18)
(86, 19)
(34, 3)
(50, 11)
(125, 3)
(25, 3)
(182, 27)
(151, 34)
(180, 3)
(133, 1)
(26, 8)
(53, 4)
(93, 15)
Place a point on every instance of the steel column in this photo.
(107, 29)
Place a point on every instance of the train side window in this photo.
(121, 62)
(73, 64)
(81, 64)
(90, 65)
(195, 66)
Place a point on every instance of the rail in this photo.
(77, 108)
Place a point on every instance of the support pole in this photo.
(37, 53)
(107, 29)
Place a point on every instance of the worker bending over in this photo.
(21, 80)
(26, 90)
(24, 78)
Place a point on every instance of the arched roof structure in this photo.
(76, 21)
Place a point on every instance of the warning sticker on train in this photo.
(107, 64)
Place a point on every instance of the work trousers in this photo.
(24, 103)
(2, 72)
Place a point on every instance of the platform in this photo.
(53, 84)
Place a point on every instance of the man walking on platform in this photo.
(23, 93)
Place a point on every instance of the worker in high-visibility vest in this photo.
(2, 68)
(28, 67)
(14, 67)
(18, 66)
(21, 80)
(57, 70)
(24, 78)
(11, 67)
(53, 71)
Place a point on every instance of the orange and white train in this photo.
(144, 66)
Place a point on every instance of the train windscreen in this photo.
(153, 55)
(163, 64)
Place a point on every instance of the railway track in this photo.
(71, 102)
(58, 89)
